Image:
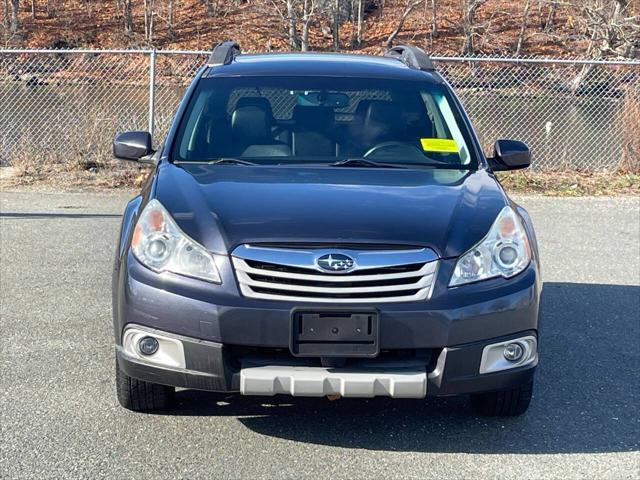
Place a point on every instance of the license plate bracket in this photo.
(334, 333)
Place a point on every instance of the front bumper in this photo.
(214, 367)
(221, 331)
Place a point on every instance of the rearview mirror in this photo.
(323, 99)
(132, 145)
(510, 155)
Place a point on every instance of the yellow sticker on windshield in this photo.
(442, 145)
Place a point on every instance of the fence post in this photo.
(152, 90)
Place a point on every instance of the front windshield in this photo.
(323, 120)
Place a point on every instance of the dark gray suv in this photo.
(325, 225)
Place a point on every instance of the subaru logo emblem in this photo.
(336, 262)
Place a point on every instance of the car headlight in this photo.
(504, 251)
(159, 244)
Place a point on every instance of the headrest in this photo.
(313, 117)
(385, 113)
(250, 124)
(361, 110)
(260, 102)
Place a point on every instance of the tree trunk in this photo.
(210, 9)
(523, 27)
(407, 11)
(307, 14)
(359, 25)
(5, 14)
(152, 22)
(469, 24)
(33, 9)
(551, 16)
(15, 19)
(148, 20)
(170, 31)
(291, 22)
(336, 25)
(127, 16)
(434, 19)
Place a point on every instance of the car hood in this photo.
(222, 206)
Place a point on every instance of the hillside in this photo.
(552, 28)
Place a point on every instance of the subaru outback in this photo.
(324, 225)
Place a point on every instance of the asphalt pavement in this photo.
(59, 417)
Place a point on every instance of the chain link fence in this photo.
(574, 114)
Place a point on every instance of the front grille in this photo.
(288, 274)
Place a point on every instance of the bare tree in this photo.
(523, 27)
(551, 16)
(294, 41)
(5, 14)
(127, 17)
(149, 22)
(33, 9)
(359, 21)
(170, 31)
(409, 8)
(335, 28)
(51, 9)
(211, 8)
(14, 24)
(469, 27)
(308, 8)
(610, 29)
(432, 5)
(166, 14)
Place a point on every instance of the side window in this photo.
(440, 128)
(446, 127)
(194, 125)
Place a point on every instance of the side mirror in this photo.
(132, 145)
(510, 155)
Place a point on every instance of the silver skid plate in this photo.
(319, 381)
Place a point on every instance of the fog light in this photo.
(513, 352)
(148, 345)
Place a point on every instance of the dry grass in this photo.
(571, 183)
(90, 166)
(74, 175)
(630, 111)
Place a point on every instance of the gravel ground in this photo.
(60, 418)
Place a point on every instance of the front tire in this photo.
(140, 396)
(510, 402)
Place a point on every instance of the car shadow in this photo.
(585, 397)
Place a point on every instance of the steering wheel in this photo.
(395, 149)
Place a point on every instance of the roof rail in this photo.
(411, 56)
(224, 53)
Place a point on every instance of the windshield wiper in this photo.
(231, 161)
(363, 162)
(219, 161)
